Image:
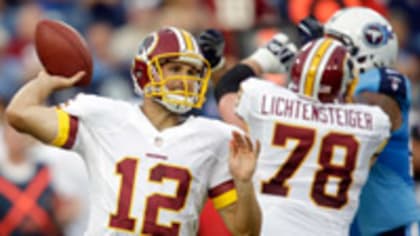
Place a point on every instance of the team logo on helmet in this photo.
(146, 43)
(376, 34)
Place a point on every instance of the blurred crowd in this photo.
(114, 29)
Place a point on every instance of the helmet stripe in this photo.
(313, 68)
(325, 58)
(310, 52)
(187, 39)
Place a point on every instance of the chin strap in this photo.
(174, 108)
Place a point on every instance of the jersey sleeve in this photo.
(68, 127)
(73, 117)
(83, 106)
(222, 189)
(223, 194)
(386, 81)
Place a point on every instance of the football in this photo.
(62, 50)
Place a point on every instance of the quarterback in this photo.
(151, 169)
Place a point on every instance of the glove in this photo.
(309, 29)
(212, 45)
(277, 55)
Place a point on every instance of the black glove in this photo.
(309, 29)
(212, 45)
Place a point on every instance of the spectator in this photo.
(27, 198)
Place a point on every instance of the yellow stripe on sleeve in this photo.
(381, 147)
(63, 120)
(225, 199)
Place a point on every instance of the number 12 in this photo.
(121, 220)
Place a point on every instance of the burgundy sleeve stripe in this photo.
(221, 188)
(74, 125)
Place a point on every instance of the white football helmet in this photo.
(367, 35)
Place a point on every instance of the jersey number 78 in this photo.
(328, 168)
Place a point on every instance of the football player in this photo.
(387, 203)
(151, 168)
(315, 150)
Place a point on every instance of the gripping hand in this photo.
(277, 55)
(309, 29)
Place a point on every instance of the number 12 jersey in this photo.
(144, 181)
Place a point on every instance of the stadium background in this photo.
(114, 29)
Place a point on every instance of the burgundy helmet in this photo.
(323, 70)
(160, 47)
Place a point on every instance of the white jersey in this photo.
(314, 158)
(145, 181)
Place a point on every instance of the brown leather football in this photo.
(62, 50)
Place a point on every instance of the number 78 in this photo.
(306, 137)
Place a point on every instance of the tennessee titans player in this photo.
(387, 202)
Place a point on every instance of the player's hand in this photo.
(243, 157)
(277, 55)
(309, 29)
(212, 44)
(54, 82)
